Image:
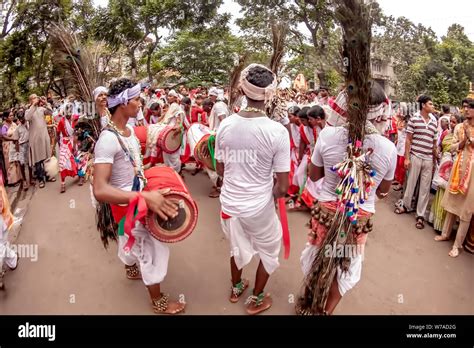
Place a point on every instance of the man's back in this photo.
(331, 149)
(252, 149)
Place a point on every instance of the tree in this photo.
(205, 56)
(443, 71)
(128, 24)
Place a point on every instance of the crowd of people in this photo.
(422, 152)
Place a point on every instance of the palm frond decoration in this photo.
(234, 78)
(78, 62)
(279, 32)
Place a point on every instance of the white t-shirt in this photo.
(108, 150)
(219, 109)
(252, 149)
(330, 149)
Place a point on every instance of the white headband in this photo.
(99, 90)
(124, 97)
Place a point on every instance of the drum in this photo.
(198, 137)
(141, 134)
(168, 140)
(179, 228)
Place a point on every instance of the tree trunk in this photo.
(133, 62)
(38, 69)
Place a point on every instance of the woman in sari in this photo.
(458, 199)
(10, 154)
(437, 213)
(67, 162)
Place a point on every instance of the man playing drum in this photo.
(118, 179)
(174, 117)
(250, 149)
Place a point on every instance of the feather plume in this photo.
(355, 20)
(77, 61)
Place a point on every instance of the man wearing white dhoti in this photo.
(250, 149)
(119, 179)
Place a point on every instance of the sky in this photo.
(438, 14)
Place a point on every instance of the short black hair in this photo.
(186, 100)
(117, 87)
(445, 108)
(423, 99)
(316, 112)
(154, 106)
(260, 76)
(466, 100)
(207, 102)
(294, 110)
(377, 94)
(323, 87)
(303, 113)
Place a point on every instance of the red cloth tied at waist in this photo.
(284, 225)
(127, 216)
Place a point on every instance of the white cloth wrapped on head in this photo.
(254, 92)
(99, 90)
(124, 96)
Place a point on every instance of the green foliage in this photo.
(443, 71)
(202, 57)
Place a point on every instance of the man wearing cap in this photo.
(250, 150)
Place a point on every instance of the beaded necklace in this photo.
(135, 157)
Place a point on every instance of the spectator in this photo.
(420, 148)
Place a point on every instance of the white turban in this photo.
(172, 93)
(254, 92)
(98, 91)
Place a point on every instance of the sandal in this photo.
(420, 223)
(401, 210)
(63, 188)
(454, 252)
(42, 184)
(81, 181)
(238, 290)
(162, 306)
(52, 180)
(214, 193)
(258, 304)
(133, 272)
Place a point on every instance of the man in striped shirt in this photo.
(420, 151)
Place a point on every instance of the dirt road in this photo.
(404, 272)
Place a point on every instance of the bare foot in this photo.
(440, 238)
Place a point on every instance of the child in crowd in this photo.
(400, 143)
